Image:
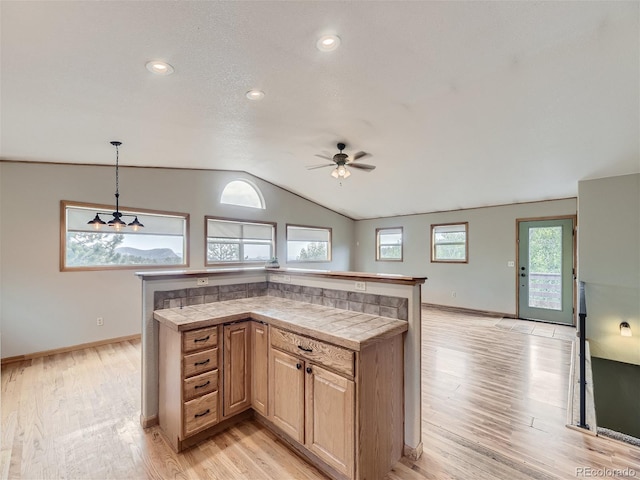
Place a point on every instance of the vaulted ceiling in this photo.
(461, 104)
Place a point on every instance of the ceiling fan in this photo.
(341, 161)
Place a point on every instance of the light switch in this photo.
(510, 263)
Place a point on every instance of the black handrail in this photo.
(582, 315)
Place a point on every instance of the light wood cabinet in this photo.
(188, 382)
(353, 414)
(311, 404)
(330, 422)
(286, 402)
(341, 409)
(237, 368)
(259, 367)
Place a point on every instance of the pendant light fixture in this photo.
(116, 222)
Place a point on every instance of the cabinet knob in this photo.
(298, 366)
(309, 370)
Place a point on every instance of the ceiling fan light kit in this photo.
(341, 161)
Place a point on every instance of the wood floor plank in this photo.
(494, 407)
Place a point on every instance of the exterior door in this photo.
(546, 270)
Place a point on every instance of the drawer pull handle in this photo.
(206, 412)
(202, 363)
(298, 366)
(203, 385)
(196, 340)
(309, 370)
(305, 349)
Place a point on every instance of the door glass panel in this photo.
(545, 267)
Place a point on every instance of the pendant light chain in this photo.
(116, 222)
(117, 144)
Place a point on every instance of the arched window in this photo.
(242, 193)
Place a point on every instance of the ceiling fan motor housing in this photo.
(340, 158)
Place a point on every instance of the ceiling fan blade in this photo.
(313, 167)
(323, 156)
(359, 155)
(362, 166)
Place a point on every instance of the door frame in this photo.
(574, 259)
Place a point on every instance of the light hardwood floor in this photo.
(494, 407)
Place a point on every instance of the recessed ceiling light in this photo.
(255, 94)
(328, 43)
(159, 68)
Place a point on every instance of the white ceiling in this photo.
(461, 104)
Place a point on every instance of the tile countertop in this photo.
(353, 330)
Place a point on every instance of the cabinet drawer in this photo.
(200, 385)
(334, 357)
(200, 362)
(198, 339)
(200, 413)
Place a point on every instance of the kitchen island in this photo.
(307, 353)
(327, 380)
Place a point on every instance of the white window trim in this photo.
(255, 188)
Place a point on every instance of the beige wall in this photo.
(609, 253)
(43, 308)
(486, 282)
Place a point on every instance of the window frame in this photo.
(92, 208)
(240, 262)
(255, 188)
(434, 226)
(329, 246)
(379, 244)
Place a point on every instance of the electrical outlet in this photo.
(100, 321)
(453, 294)
(202, 281)
(362, 286)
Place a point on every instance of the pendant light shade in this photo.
(136, 224)
(116, 222)
(97, 222)
(625, 329)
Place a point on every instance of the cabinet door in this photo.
(330, 422)
(286, 400)
(259, 367)
(236, 365)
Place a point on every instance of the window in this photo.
(239, 241)
(308, 244)
(162, 241)
(449, 242)
(389, 244)
(243, 194)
